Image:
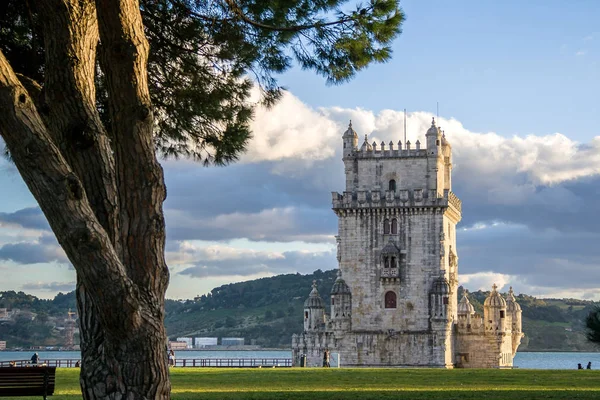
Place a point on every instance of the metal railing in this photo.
(181, 362)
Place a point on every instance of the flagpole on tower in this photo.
(405, 126)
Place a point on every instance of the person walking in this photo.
(35, 359)
(589, 366)
(171, 358)
(326, 358)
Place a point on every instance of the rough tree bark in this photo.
(101, 190)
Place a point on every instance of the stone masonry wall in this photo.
(362, 239)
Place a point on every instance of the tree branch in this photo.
(141, 190)
(62, 199)
(72, 117)
(238, 12)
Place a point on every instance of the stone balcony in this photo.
(394, 199)
(390, 274)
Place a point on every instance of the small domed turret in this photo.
(434, 137)
(350, 139)
(314, 311)
(341, 305)
(366, 146)
(511, 302)
(433, 129)
(494, 311)
(340, 286)
(350, 132)
(513, 309)
(314, 299)
(465, 307)
(495, 300)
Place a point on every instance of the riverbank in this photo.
(365, 383)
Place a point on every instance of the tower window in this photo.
(445, 300)
(392, 185)
(332, 301)
(393, 262)
(501, 313)
(305, 314)
(394, 226)
(386, 262)
(386, 227)
(390, 300)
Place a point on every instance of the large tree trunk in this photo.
(101, 190)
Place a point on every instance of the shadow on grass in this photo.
(393, 394)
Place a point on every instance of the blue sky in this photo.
(514, 67)
(516, 83)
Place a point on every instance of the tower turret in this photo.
(350, 139)
(435, 167)
(341, 305)
(513, 309)
(434, 137)
(314, 311)
(350, 142)
(494, 312)
(465, 307)
(465, 311)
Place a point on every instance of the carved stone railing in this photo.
(394, 199)
(389, 272)
(455, 201)
(378, 199)
(390, 153)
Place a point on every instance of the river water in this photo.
(547, 360)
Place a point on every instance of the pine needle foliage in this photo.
(207, 56)
(592, 323)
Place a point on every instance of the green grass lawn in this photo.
(366, 383)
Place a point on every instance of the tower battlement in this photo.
(364, 199)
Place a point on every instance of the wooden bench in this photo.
(27, 381)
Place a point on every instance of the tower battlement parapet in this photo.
(394, 199)
(455, 201)
(389, 153)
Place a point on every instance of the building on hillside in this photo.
(178, 346)
(203, 342)
(2, 345)
(188, 340)
(232, 341)
(395, 302)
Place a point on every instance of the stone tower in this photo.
(397, 221)
(397, 302)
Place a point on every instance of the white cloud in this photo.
(485, 280)
(293, 130)
(581, 53)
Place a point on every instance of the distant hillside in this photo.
(268, 311)
(265, 311)
(34, 321)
